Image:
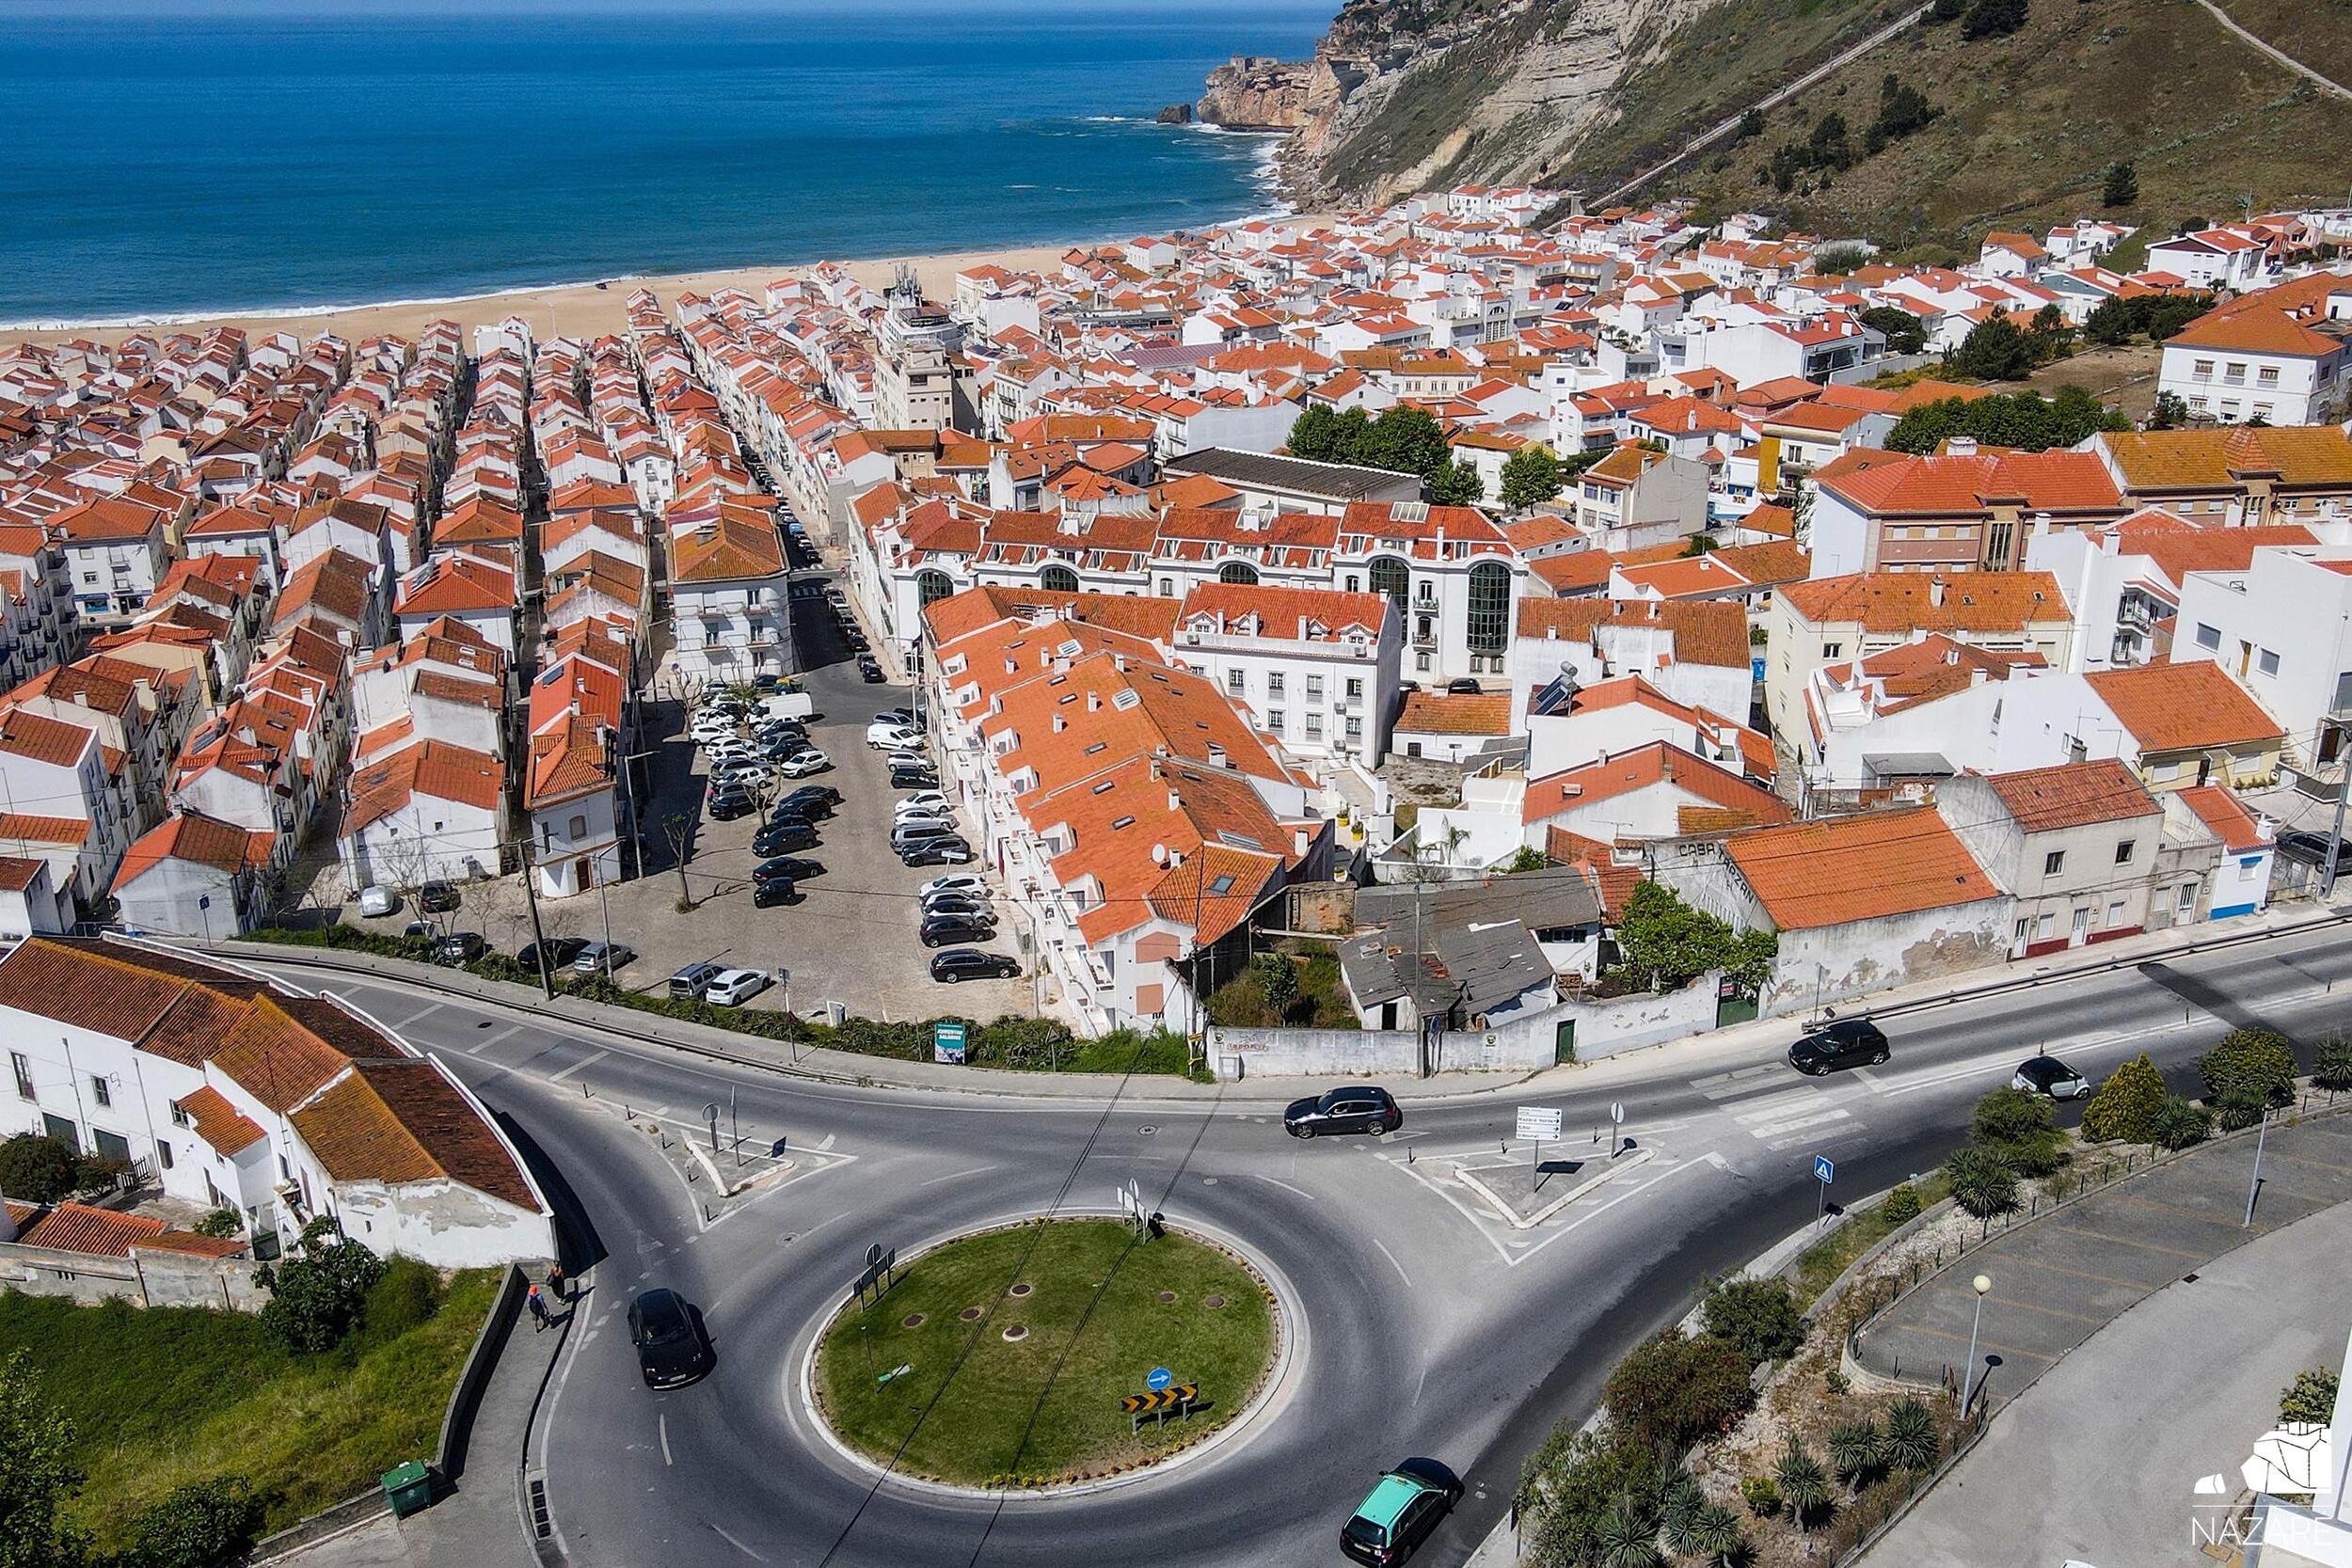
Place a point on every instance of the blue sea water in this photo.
(216, 157)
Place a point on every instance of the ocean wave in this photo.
(281, 313)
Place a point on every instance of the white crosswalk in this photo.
(1769, 1110)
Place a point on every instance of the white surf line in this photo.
(583, 1062)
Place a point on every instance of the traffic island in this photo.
(1047, 1354)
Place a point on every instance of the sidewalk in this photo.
(2059, 1280)
(1762, 1036)
(479, 1524)
(2183, 1384)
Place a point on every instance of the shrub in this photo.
(1902, 1205)
(2310, 1398)
(1717, 1535)
(1277, 978)
(221, 1221)
(1762, 1495)
(1626, 1538)
(1804, 1484)
(2181, 1123)
(2239, 1106)
(1982, 1184)
(1911, 1440)
(2019, 1128)
(201, 1525)
(1857, 1451)
(1756, 1316)
(406, 1296)
(1570, 1483)
(2127, 1104)
(1993, 19)
(38, 1169)
(2255, 1061)
(318, 1294)
(2335, 1072)
(1671, 1390)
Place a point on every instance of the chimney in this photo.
(1960, 446)
(1175, 801)
(1935, 592)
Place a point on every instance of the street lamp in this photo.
(1981, 1284)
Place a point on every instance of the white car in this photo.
(891, 738)
(910, 759)
(800, 765)
(926, 802)
(735, 986)
(918, 823)
(742, 774)
(378, 901)
(955, 881)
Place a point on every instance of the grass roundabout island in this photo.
(1000, 1359)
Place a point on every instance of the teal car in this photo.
(1403, 1507)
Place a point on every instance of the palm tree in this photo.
(1912, 1443)
(1625, 1539)
(1804, 1484)
(1982, 1184)
(1678, 1509)
(1856, 1451)
(1717, 1535)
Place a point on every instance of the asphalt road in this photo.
(1431, 1326)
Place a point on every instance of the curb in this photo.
(1641, 1157)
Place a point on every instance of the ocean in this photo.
(214, 157)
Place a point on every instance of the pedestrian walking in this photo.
(539, 1305)
(556, 1284)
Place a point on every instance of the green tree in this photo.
(1527, 858)
(1982, 1184)
(1756, 1316)
(2180, 1123)
(38, 1169)
(1902, 1204)
(1946, 10)
(1669, 943)
(2113, 322)
(2121, 187)
(1671, 1389)
(2127, 1104)
(1804, 1484)
(2256, 1062)
(1456, 484)
(2018, 1128)
(1995, 350)
(1530, 475)
(1904, 332)
(2051, 335)
(1406, 440)
(1911, 1440)
(2171, 412)
(1569, 1483)
(1751, 125)
(1857, 1451)
(1278, 978)
(2311, 1398)
(1839, 258)
(1315, 434)
(221, 1222)
(37, 1476)
(316, 1295)
(1993, 19)
(201, 1525)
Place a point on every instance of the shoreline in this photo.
(593, 306)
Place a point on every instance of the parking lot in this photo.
(850, 939)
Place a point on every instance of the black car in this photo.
(956, 906)
(765, 682)
(561, 951)
(813, 793)
(913, 778)
(1845, 1042)
(936, 851)
(790, 867)
(970, 963)
(940, 930)
(438, 897)
(1358, 1108)
(797, 807)
(1463, 686)
(780, 744)
(728, 804)
(459, 947)
(780, 837)
(2309, 848)
(671, 1347)
(869, 671)
(775, 890)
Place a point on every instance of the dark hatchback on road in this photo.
(1359, 1108)
(671, 1349)
(1845, 1042)
(970, 963)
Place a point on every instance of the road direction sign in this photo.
(1175, 1400)
(947, 1043)
(1539, 1123)
(1824, 1169)
(1616, 1113)
(1161, 1377)
(873, 1255)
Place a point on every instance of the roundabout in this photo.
(1047, 1355)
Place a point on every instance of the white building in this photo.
(1317, 669)
(730, 611)
(2279, 355)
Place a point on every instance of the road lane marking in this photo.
(1712, 1085)
(958, 1176)
(477, 1047)
(1777, 1106)
(1399, 1267)
(663, 1421)
(583, 1062)
(1288, 1188)
(736, 1545)
(1792, 1124)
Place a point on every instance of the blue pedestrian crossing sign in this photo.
(1824, 1169)
(1158, 1380)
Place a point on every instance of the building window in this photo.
(2208, 637)
(180, 1117)
(1314, 689)
(2123, 851)
(1355, 689)
(1354, 727)
(580, 827)
(1057, 578)
(1274, 720)
(1833, 650)
(2053, 863)
(2266, 662)
(24, 1074)
(1314, 726)
(99, 1090)
(1238, 572)
(1351, 583)
(1488, 622)
(162, 1153)
(2187, 903)
(2266, 376)
(1275, 681)
(1389, 576)
(930, 586)
(1236, 680)
(2044, 924)
(2114, 915)
(1420, 662)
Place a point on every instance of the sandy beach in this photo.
(578, 310)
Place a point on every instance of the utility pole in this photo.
(2335, 833)
(538, 937)
(604, 897)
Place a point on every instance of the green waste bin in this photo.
(409, 1487)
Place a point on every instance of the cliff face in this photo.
(1405, 94)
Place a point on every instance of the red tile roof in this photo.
(2073, 795)
(2175, 707)
(1808, 875)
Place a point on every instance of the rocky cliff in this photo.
(1254, 92)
